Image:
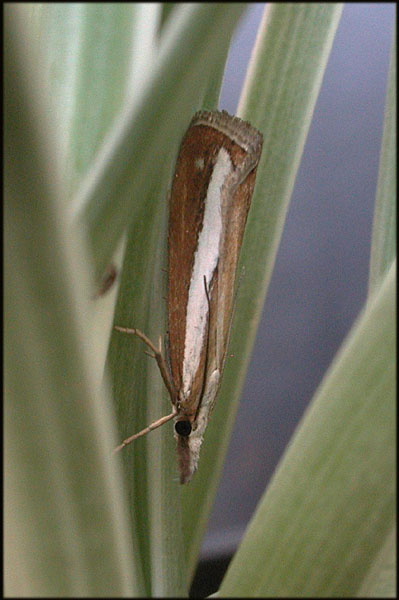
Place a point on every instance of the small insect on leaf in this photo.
(208, 208)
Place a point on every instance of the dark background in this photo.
(320, 278)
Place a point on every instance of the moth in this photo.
(208, 208)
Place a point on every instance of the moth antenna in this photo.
(209, 319)
(207, 334)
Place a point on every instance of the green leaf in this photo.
(284, 79)
(150, 464)
(331, 504)
(66, 528)
(146, 136)
(88, 82)
(380, 581)
(93, 57)
(383, 246)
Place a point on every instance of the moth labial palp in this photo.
(208, 207)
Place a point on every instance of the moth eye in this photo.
(183, 428)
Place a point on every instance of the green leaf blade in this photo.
(281, 82)
(383, 245)
(330, 505)
(151, 126)
(66, 529)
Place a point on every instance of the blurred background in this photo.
(320, 278)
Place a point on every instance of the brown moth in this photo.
(208, 207)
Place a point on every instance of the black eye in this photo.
(183, 428)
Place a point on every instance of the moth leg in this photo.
(150, 427)
(157, 354)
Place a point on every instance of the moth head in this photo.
(183, 427)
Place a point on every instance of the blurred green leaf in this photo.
(380, 581)
(87, 82)
(66, 531)
(94, 58)
(383, 247)
(145, 138)
(331, 503)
